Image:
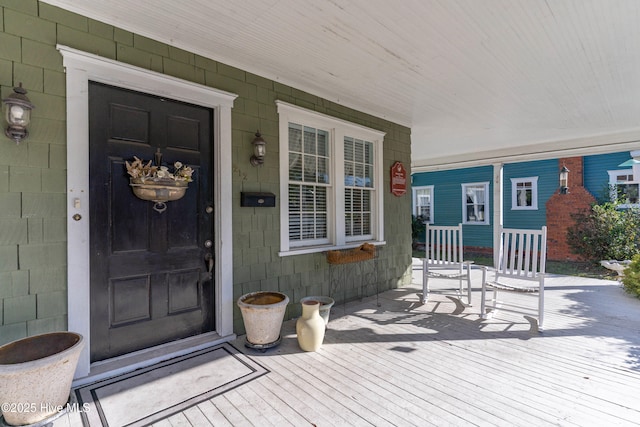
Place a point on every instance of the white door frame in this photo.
(82, 67)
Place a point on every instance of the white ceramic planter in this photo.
(36, 375)
(262, 313)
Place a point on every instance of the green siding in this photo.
(33, 174)
(596, 178)
(447, 196)
(447, 199)
(547, 173)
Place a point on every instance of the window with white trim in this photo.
(330, 180)
(624, 187)
(524, 193)
(475, 203)
(358, 183)
(308, 183)
(423, 203)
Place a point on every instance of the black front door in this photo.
(149, 279)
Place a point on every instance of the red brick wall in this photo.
(561, 207)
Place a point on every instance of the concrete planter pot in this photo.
(617, 266)
(36, 375)
(262, 313)
(325, 305)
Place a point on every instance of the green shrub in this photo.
(631, 279)
(605, 232)
(418, 229)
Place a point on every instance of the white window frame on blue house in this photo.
(623, 177)
(355, 176)
(485, 213)
(423, 201)
(530, 185)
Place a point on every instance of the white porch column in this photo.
(497, 209)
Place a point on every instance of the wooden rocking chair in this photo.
(521, 268)
(444, 260)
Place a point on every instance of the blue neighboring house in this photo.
(467, 196)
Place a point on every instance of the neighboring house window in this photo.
(524, 193)
(475, 203)
(423, 203)
(624, 188)
(331, 181)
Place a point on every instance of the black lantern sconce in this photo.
(564, 180)
(259, 150)
(17, 114)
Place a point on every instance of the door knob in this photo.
(208, 243)
(208, 258)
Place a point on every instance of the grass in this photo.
(567, 268)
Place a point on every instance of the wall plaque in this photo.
(398, 179)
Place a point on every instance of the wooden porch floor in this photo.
(405, 364)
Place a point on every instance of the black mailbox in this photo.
(257, 200)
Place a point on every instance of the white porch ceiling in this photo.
(477, 81)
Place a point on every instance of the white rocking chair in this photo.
(521, 268)
(444, 259)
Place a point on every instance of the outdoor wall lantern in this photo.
(564, 180)
(259, 150)
(18, 114)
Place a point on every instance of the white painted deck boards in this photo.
(404, 364)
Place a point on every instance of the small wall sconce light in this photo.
(259, 150)
(18, 114)
(564, 180)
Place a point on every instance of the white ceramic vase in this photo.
(310, 326)
(325, 306)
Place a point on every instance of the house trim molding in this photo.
(82, 67)
(584, 146)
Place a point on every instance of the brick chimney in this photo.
(561, 208)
